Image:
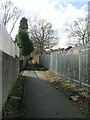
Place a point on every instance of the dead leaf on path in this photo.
(74, 98)
(56, 87)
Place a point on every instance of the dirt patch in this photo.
(14, 105)
(79, 95)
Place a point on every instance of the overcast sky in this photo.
(58, 12)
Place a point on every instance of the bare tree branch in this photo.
(42, 34)
(78, 30)
(10, 13)
(15, 19)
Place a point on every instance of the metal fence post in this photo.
(0, 72)
(56, 63)
(88, 50)
(79, 67)
(89, 67)
(51, 62)
(89, 73)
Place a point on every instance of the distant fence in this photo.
(73, 64)
(9, 65)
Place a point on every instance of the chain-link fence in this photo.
(72, 64)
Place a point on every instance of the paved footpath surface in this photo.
(42, 100)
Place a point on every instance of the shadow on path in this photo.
(41, 100)
(34, 67)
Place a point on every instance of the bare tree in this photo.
(42, 34)
(10, 12)
(78, 30)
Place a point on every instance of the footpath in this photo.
(42, 100)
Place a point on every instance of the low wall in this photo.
(0, 85)
(10, 70)
(9, 65)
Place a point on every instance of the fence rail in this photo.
(72, 64)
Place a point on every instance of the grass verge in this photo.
(79, 95)
(13, 108)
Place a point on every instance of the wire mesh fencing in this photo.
(73, 64)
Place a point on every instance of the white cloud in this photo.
(58, 12)
(65, 41)
(71, 13)
(76, 0)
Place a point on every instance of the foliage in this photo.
(22, 38)
(23, 24)
(25, 43)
